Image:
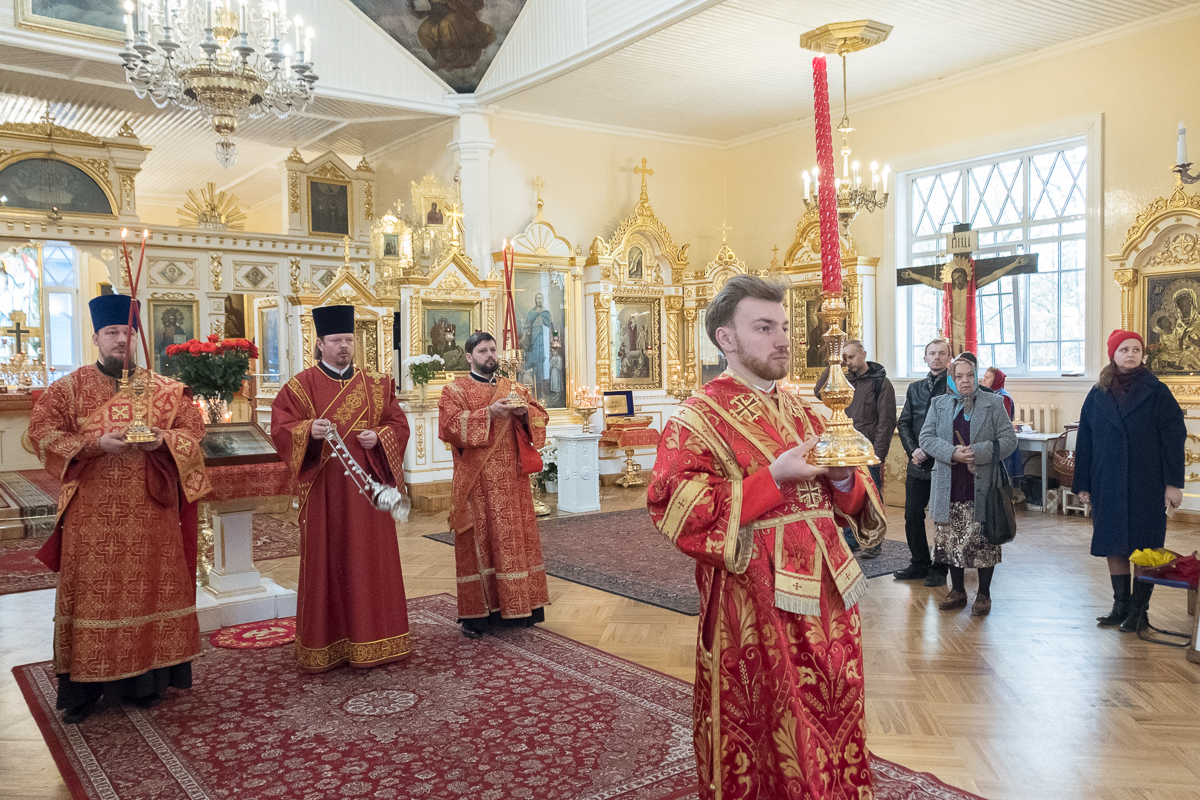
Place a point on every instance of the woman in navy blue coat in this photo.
(1129, 466)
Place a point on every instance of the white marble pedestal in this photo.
(578, 472)
(236, 591)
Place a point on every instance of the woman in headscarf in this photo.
(1129, 466)
(993, 378)
(966, 433)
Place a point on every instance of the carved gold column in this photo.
(689, 347)
(602, 303)
(674, 367)
(1127, 279)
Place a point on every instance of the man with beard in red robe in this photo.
(125, 542)
(497, 550)
(351, 607)
(779, 699)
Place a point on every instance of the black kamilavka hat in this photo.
(330, 320)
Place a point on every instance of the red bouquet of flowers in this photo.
(214, 369)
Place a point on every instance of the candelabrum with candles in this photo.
(839, 445)
(22, 372)
(231, 60)
(851, 196)
(586, 401)
(1182, 165)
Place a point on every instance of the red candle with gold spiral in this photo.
(831, 251)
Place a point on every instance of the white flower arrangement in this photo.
(549, 471)
(423, 368)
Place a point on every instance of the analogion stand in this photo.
(236, 591)
(578, 471)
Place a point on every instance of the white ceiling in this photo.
(736, 68)
(710, 69)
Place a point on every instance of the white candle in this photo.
(807, 185)
(210, 13)
(299, 28)
(874, 175)
(1181, 146)
(886, 171)
(854, 169)
(242, 17)
(308, 39)
(129, 27)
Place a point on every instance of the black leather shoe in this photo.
(1120, 611)
(873, 552)
(935, 578)
(913, 573)
(1137, 620)
(77, 714)
(471, 633)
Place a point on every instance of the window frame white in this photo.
(893, 313)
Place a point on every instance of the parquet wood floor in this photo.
(1033, 702)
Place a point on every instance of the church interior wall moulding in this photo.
(327, 198)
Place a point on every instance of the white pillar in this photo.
(472, 145)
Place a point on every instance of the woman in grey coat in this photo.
(967, 432)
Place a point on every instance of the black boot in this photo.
(1121, 601)
(1137, 619)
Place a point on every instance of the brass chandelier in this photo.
(223, 58)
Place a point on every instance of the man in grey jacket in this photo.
(873, 411)
(916, 487)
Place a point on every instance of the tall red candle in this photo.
(831, 251)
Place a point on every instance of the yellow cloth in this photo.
(1151, 558)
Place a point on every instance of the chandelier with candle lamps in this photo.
(230, 60)
(840, 39)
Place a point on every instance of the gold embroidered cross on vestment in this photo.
(745, 407)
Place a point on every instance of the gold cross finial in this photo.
(643, 170)
(725, 229)
(346, 253)
(47, 117)
(775, 252)
(539, 184)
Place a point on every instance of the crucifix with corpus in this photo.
(959, 279)
(16, 331)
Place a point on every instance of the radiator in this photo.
(1043, 417)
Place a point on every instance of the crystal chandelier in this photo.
(228, 63)
(852, 197)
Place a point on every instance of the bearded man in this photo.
(351, 607)
(497, 550)
(124, 544)
(779, 671)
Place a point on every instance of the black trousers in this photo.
(916, 501)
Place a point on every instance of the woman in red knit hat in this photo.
(1129, 467)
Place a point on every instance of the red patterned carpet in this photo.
(521, 714)
(21, 572)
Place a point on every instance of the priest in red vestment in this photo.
(351, 607)
(124, 544)
(779, 669)
(497, 550)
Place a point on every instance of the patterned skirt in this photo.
(961, 543)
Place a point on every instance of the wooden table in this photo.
(1039, 443)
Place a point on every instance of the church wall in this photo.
(411, 159)
(1130, 81)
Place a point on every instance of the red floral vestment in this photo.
(351, 606)
(126, 601)
(497, 551)
(779, 677)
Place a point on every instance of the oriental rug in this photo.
(20, 571)
(523, 713)
(256, 635)
(621, 552)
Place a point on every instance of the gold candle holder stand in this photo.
(840, 445)
(510, 362)
(135, 385)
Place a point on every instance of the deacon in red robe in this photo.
(779, 671)
(124, 544)
(497, 550)
(351, 607)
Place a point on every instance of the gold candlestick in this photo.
(840, 445)
(138, 431)
(510, 362)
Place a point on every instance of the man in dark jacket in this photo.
(873, 411)
(920, 466)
